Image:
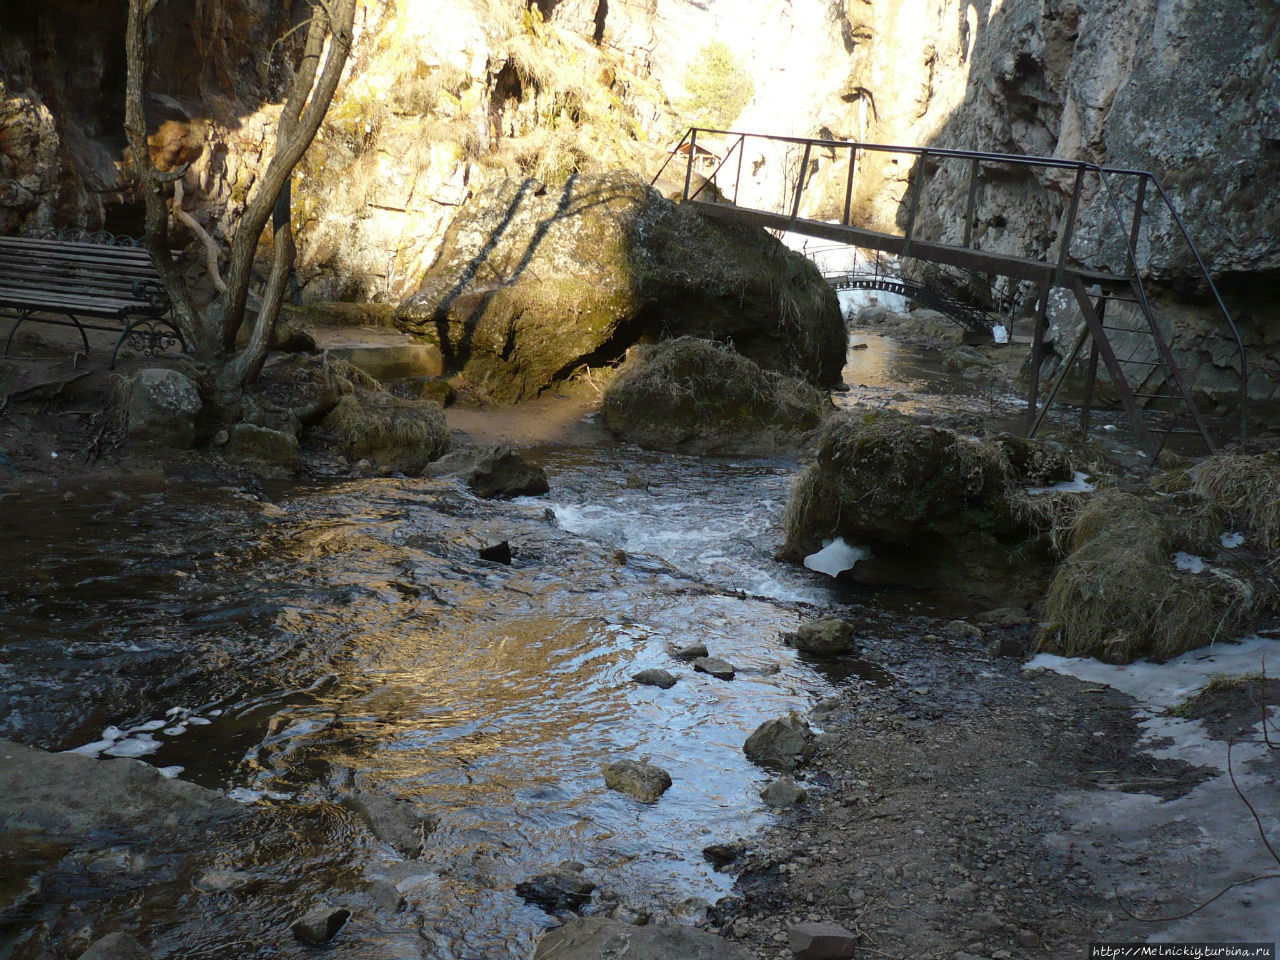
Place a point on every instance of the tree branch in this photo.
(210, 245)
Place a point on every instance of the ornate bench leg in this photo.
(83, 336)
(22, 315)
(149, 336)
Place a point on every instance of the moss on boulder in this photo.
(698, 396)
(404, 435)
(533, 281)
(937, 509)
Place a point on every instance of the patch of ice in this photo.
(245, 795)
(1000, 333)
(835, 557)
(177, 730)
(92, 749)
(1109, 427)
(170, 772)
(1188, 562)
(1231, 540)
(138, 746)
(148, 727)
(198, 721)
(1077, 484)
(1163, 685)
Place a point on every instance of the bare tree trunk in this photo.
(185, 317)
(212, 337)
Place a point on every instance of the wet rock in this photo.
(1005, 617)
(68, 795)
(433, 389)
(720, 669)
(116, 946)
(272, 448)
(321, 925)
(386, 895)
(497, 552)
(556, 890)
(655, 677)
(964, 358)
(722, 854)
(397, 823)
(826, 637)
(220, 881)
(162, 406)
(965, 631)
(644, 781)
(783, 792)
(591, 938)
(781, 744)
(491, 472)
(694, 651)
(1006, 647)
(821, 941)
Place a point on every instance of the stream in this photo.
(298, 645)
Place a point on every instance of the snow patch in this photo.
(1079, 483)
(836, 557)
(1000, 333)
(1231, 540)
(1188, 562)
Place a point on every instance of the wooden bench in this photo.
(89, 286)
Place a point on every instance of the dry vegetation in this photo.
(402, 434)
(1119, 596)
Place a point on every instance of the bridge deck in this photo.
(1006, 265)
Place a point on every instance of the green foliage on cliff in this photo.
(718, 85)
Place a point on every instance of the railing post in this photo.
(804, 170)
(1069, 226)
(1134, 231)
(742, 148)
(973, 199)
(688, 170)
(915, 198)
(848, 187)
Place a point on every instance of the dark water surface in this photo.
(296, 646)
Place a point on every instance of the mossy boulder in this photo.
(936, 509)
(534, 280)
(698, 396)
(400, 434)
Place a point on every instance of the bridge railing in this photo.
(1118, 199)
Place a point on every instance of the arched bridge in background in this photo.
(1137, 357)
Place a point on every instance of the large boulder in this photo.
(699, 397)
(935, 509)
(400, 434)
(782, 744)
(591, 938)
(491, 472)
(162, 405)
(532, 281)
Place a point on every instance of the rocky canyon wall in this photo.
(441, 98)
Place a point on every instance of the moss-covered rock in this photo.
(401, 434)
(533, 280)
(937, 509)
(699, 396)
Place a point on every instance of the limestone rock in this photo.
(720, 669)
(783, 792)
(116, 946)
(966, 631)
(162, 406)
(273, 448)
(492, 472)
(387, 362)
(433, 389)
(645, 782)
(533, 279)
(821, 941)
(656, 677)
(693, 651)
(591, 938)
(781, 744)
(698, 396)
(557, 890)
(396, 822)
(321, 925)
(825, 637)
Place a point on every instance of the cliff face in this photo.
(443, 97)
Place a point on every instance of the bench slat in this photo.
(68, 249)
(38, 276)
(100, 306)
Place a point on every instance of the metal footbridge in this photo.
(1089, 256)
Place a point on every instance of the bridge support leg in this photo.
(1037, 354)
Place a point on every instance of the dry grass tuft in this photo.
(401, 434)
(1243, 491)
(1118, 596)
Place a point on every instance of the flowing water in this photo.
(301, 646)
